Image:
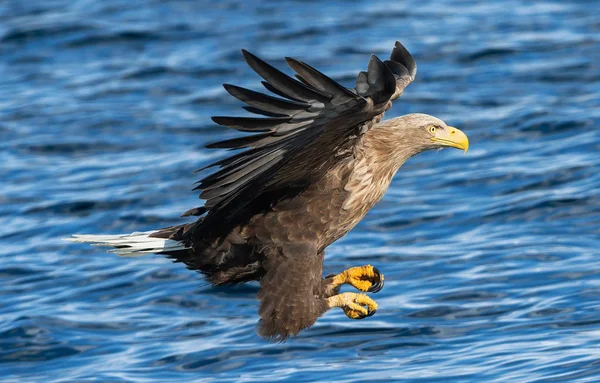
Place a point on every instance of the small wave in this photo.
(487, 53)
(78, 208)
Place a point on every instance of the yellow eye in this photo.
(432, 129)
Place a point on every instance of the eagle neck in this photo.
(387, 148)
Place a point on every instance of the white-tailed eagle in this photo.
(313, 165)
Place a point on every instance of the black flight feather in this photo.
(265, 102)
(238, 142)
(251, 124)
(319, 81)
(401, 55)
(281, 81)
(254, 110)
(278, 92)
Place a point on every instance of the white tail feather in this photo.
(130, 245)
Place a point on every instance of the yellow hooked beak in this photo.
(452, 137)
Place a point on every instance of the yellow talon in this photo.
(355, 306)
(364, 278)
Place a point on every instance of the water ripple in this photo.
(491, 259)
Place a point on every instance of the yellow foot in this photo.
(364, 278)
(355, 306)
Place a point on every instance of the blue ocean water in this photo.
(491, 259)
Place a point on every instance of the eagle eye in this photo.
(432, 129)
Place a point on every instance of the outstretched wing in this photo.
(403, 67)
(307, 129)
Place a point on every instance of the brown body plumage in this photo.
(311, 172)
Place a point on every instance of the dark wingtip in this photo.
(250, 58)
(401, 55)
(374, 57)
(376, 61)
(212, 145)
(382, 83)
(362, 85)
(374, 67)
(246, 54)
(218, 119)
(195, 212)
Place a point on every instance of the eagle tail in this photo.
(134, 244)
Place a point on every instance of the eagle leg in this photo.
(363, 278)
(290, 300)
(355, 306)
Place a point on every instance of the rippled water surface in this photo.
(491, 258)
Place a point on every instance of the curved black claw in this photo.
(377, 286)
(369, 314)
